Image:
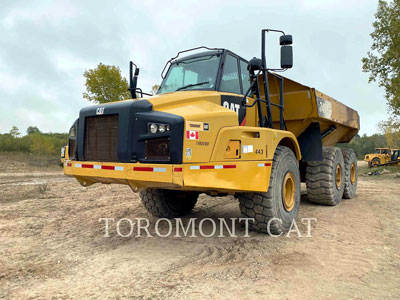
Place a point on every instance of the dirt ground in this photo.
(52, 246)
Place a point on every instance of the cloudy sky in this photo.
(45, 46)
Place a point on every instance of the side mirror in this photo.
(286, 57)
(133, 77)
(286, 40)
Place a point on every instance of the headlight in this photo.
(161, 128)
(62, 152)
(72, 132)
(154, 128)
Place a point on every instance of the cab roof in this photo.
(208, 53)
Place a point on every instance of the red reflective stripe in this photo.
(229, 166)
(148, 169)
(87, 166)
(108, 167)
(206, 167)
(267, 164)
(177, 169)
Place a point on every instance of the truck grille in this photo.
(101, 138)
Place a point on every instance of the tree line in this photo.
(34, 142)
(39, 143)
(365, 144)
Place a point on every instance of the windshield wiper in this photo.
(190, 85)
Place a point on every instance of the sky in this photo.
(45, 47)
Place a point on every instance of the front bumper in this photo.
(220, 177)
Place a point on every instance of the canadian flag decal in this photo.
(192, 135)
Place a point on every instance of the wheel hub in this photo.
(289, 191)
(353, 173)
(338, 176)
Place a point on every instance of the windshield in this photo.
(197, 73)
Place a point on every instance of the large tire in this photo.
(271, 207)
(325, 179)
(350, 173)
(376, 162)
(168, 203)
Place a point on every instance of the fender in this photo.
(255, 143)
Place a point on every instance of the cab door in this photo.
(235, 81)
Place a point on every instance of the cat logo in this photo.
(100, 111)
(234, 103)
(232, 106)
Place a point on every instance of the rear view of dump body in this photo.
(305, 107)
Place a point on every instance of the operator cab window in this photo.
(230, 76)
(396, 155)
(245, 76)
(197, 73)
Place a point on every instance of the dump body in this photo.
(304, 105)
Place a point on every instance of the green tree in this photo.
(383, 61)
(105, 84)
(32, 130)
(42, 144)
(391, 131)
(14, 132)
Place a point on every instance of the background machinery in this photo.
(382, 157)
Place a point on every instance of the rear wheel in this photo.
(168, 203)
(350, 174)
(325, 179)
(278, 207)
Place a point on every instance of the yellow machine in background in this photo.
(383, 156)
(220, 125)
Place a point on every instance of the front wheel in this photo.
(168, 203)
(274, 211)
(375, 162)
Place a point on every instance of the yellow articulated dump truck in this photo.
(220, 125)
(383, 157)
